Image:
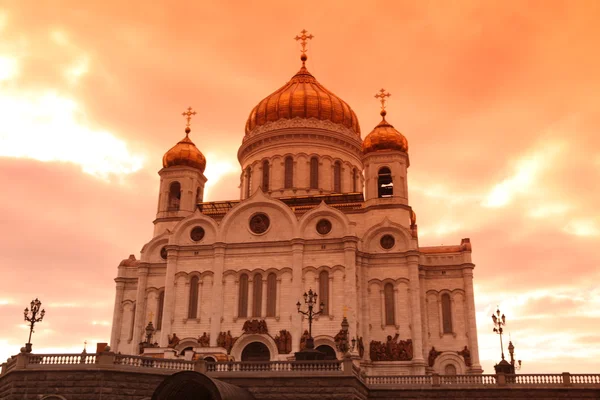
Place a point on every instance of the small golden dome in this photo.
(384, 137)
(303, 97)
(185, 153)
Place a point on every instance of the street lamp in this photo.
(511, 351)
(499, 323)
(32, 317)
(310, 299)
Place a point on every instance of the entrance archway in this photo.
(329, 352)
(256, 351)
(190, 385)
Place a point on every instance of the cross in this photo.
(381, 96)
(303, 43)
(188, 114)
(151, 316)
(84, 344)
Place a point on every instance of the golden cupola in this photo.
(303, 97)
(384, 137)
(185, 152)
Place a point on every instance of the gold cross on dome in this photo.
(381, 96)
(188, 114)
(303, 40)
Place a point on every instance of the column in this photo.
(278, 300)
(350, 295)
(397, 307)
(117, 315)
(169, 302)
(472, 327)
(140, 307)
(366, 308)
(199, 306)
(217, 295)
(250, 297)
(263, 307)
(236, 302)
(330, 295)
(417, 334)
(297, 291)
(422, 293)
(382, 298)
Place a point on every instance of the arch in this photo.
(449, 358)
(53, 397)
(390, 304)
(449, 369)
(243, 296)
(160, 306)
(337, 177)
(403, 238)
(257, 295)
(288, 175)
(181, 231)
(191, 385)
(210, 359)
(174, 196)
(248, 181)
(324, 210)
(324, 291)
(193, 300)
(247, 338)
(385, 186)
(314, 172)
(256, 351)
(265, 175)
(271, 294)
(330, 353)
(151, 250)
(446, 313)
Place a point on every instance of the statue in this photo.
(433, 353)
(341, 341)
(284, 342)
(466, 353)
(391, 350)
(303, 340)
(228, 342)
(361, 347)
(173, 340)
(204, 340)
(255, 326)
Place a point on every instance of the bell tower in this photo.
(182, 181)
(385, 157)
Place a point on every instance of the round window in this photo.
(387, 241)
(324, 226)
(259, 223)
(163, 253)
(197, 234)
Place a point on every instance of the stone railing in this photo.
(275, 366)
(61, 359)
(150, 362)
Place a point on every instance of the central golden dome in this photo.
(303, 97)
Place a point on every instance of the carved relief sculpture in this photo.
(341, 341)
(255, 326)
(303, 340)
(466, 354)
(173, 340)
(284, 342)
(204, 340)
(226, 341)
(361, 347)
(433, 354)
(392, 349)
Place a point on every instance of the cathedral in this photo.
(320, 209)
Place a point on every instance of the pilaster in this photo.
(217, 296)
(415, 300)
(140, 307)
(169, 301)
(471, 317)
(297, 290)
(117, 314)
(350, 295)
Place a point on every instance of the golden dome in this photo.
(384, 137)
(303, 97)
(185, 153)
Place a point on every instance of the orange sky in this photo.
(498, 99)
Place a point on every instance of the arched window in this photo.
(160, 306)
(354, 180)
(447, 313)
(271, 295)
(199, 195)
(385, 187)
(132, 322)
(388, 292)
(337, 177)
(193, 303)
(174, 196)
(450, 370)
(257, 296)
(248, 181)
(243, 297)
(324, 291)
(289, 172)
(265, 177)
(314, 173)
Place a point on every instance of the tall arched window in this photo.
(132, 322)
(324, 291)
(243, 297)
(271, 295)
(354, 180)
(388, 292)
(314, 173)
(265, 177)
(174, 196)
(447, 313)
(160, 306)
(385, 187)
(199, 195)
(257, 296)
(337, 177)
(248, 181)
(289, 172)
(193, 303)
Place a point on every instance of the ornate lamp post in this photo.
(511, 351)
(310, 299)
(499, 322)
(32, 317)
